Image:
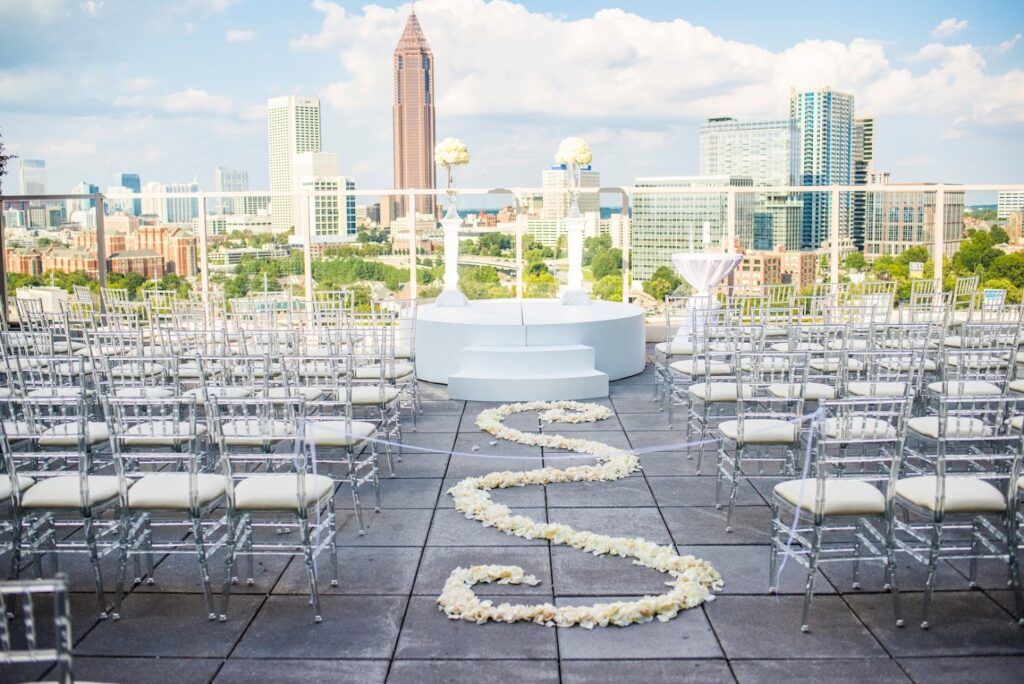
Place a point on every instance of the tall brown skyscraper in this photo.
(413, 115)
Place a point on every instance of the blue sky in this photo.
(172, 89)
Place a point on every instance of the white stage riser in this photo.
(579, 385)
(523, 361)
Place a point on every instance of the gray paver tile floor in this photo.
(382, 623)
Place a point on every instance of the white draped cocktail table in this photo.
(703, 270)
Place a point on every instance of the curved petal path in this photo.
(692, 580)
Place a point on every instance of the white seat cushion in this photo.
(865, 388)
(841, 497)
(403, 350)
(831, 364)
(853, 344)
(279, 492)
(812, 391)
(697, 367)
(136, 370)
(1017, 422)
(219, 392)
(719, 391)
(760, 431)
(775, 331)
(953, 341)
(767, 364)
(66, 434)
(965, 388)
(73, 367)
(399, 370)
(5, 393)
(5, 485)
(367, 395)
(256, 432)
(956, 426)
(963, 494)
(859, 427)
(798, 347)
(55, 393)
(64, 491)
(142, 392)
(304, 393)
(320, 368)
(160, 432)
(332, 433)
(170, 491)
(17, 429)
(677, 347)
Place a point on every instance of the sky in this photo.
(170, 89)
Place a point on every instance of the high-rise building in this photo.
(151, 205)
(896, 221)
(825, 118)
(863, 157)
(413, 115)
(230, 180)
(179, 209)
(293, 127)
(31, 177)
(120, 205)
(83, 188)
(1008, 203)
(667, 222)
(769, 153)
(555, 187)
(132, 182)
(333, 218)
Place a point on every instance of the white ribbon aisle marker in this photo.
(693, 580)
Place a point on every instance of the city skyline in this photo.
(146, 121)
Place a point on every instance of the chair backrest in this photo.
(23, 634)
(147, 433)
(883, 373)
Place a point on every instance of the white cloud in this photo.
(239, 35)
(1006, 45)
(40, 10)
(92, 7)
(187, 102)
(137, 83)
(949, 27)
(621, 66)
(68, 149)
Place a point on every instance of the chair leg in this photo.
(16, 548)
(773, 550)
(230, 541)
(332, 526)
(858, 536)
(387, 440)
(94, 559)
(353, 480)
(890, 572)
(124, 543)
(307, 549)
(975, 540)
(204, 569)
(150, 578)
(933, 562)
(812, 570)
(250, 575)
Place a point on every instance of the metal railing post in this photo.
(624, 237)
(3, 263)
(307, 248)
(411, 215)
(939, 237)
(833, 236)
(101, 247)
(730, 222)
(204, 262)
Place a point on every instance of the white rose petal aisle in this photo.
(693, 580)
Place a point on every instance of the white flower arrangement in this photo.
(574, 151)
(451, 152)
(693, 581)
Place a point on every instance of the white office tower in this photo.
(179, 209)
(230, 180)
(293, 127)
(332, 216)
(555, 184)
(119, 205)
(151, 205)
(768, 152)
(31, 177)
(1008, 202)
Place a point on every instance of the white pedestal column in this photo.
(451, 295)
(575, 294)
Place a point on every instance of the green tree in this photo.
(856, 261)
(1010, 267)
(975, 251)
(663, 282)
(998, 235)
(609, 287)
(605, 262)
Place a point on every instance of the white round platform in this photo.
(515, 340)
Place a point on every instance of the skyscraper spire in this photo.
(413, 113)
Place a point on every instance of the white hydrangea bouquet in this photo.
(451, 153)
(574, 153)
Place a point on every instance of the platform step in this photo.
(519, 360)
(581, 384)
